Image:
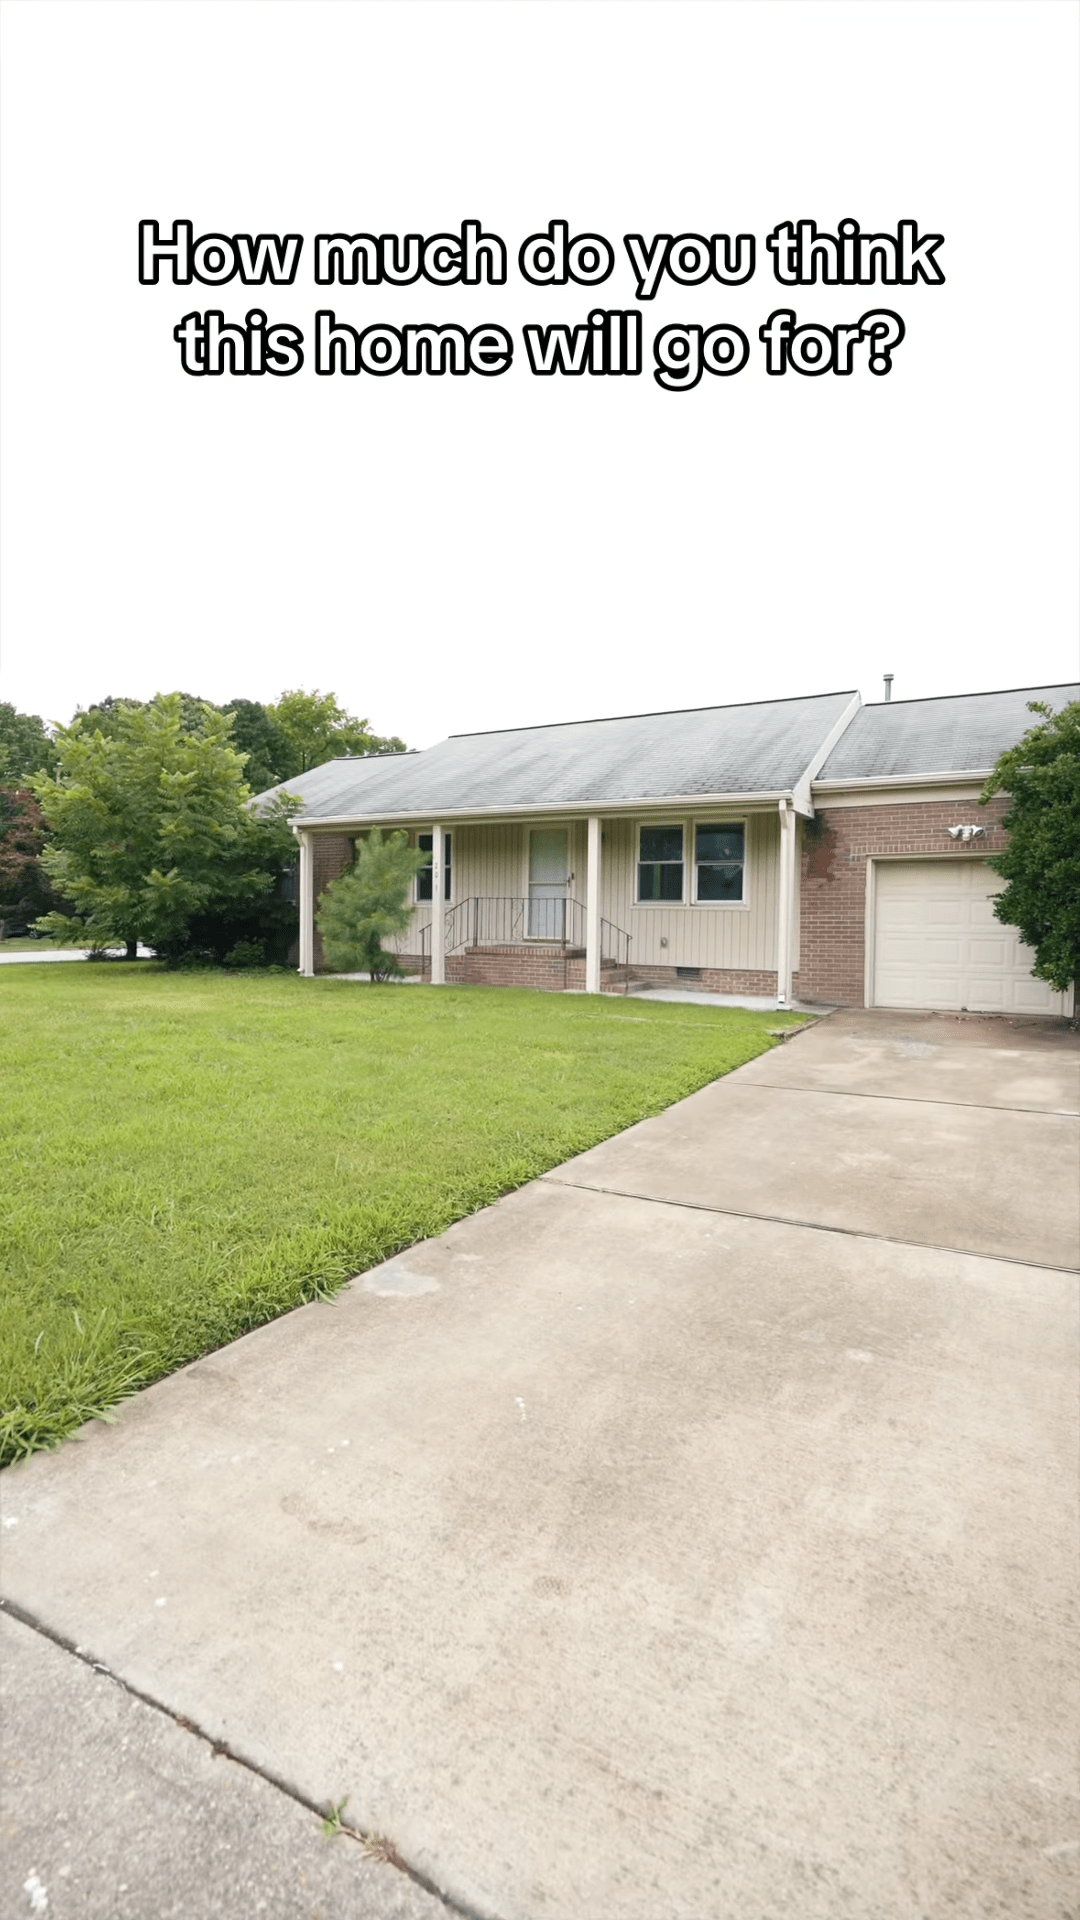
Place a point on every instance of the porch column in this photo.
(438, 910)
(785, 904)
(307, 906)
(592, 910)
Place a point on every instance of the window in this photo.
(660, 864)
(425, 842)
(720, 856)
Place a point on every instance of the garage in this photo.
(936, 943)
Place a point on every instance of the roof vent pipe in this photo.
(888, 686)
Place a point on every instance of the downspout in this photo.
(785, 916)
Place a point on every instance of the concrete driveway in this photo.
(690, 1535)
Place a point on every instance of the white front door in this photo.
(938, 944)
(549, 872)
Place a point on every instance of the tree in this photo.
(302, 731)
(317, 729)
(1041, 863)
(150, 833)
(369, 904)
(24, 888)
(269, 756)
(26, 746)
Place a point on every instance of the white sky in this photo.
(449, 555)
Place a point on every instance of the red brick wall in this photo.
(331, 854)
(713, 980)
(832, 943)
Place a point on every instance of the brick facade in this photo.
(710, 980)
(836, 847)
(545, 969)
(331, 854)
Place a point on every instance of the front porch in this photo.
(526, 942)
(593, 904)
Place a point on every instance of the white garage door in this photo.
(937, 943)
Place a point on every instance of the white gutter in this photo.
(579, 809)
(801, 793)
(886, 780)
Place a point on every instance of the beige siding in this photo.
(741, 937)
(491, 860)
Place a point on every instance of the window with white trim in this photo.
(720, 863)
(660, 864)
(426, 844)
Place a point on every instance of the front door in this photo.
(549, 871)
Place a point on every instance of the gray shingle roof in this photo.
(762, 748)
(960, 733)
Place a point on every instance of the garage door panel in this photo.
(938, 943)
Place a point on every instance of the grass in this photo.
(183, 1157)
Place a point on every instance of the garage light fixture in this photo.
(965, 833)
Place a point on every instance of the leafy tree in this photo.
(26, 746)
(106, 716)
(151, 834)
(369, 904)
(269, 755)
(1041, 863)
(24, 888)
(317, 729)
(302, 731)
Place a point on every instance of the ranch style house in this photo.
(816, 850)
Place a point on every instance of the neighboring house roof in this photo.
(765, 748)
(952, 734)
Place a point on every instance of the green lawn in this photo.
(185, 1156)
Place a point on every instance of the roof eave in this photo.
(853, 782)
(580, 809)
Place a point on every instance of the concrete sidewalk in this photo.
(690, 1535)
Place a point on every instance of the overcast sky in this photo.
(454, 554)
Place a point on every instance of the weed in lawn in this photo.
(184, 1157)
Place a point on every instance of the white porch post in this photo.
(438, 910)
(592, 910)
(307, 906)
(785, 904)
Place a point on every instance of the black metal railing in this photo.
(481, 921)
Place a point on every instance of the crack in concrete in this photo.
(809, 1226)
(909, 1099)
(221, 1749)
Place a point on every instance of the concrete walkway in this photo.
(689, 1536)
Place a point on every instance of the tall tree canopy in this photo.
(316, 729)
(1041, 863)
(290, 736)
(25, 892)
(26, 746)
(150, 832)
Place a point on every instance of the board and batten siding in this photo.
(491, 860)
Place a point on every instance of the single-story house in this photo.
(816, 849)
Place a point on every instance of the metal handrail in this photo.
(517, 920)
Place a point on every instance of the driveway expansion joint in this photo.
(222, 1750)
(908, 1099)
(808, 1226)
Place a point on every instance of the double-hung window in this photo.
(660, 864)
(426, 843)
(720, 858)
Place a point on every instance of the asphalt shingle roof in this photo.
(761, 748)
(960, 733)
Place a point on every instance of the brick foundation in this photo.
(545, 969)
(713, 980)
(836, 847)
